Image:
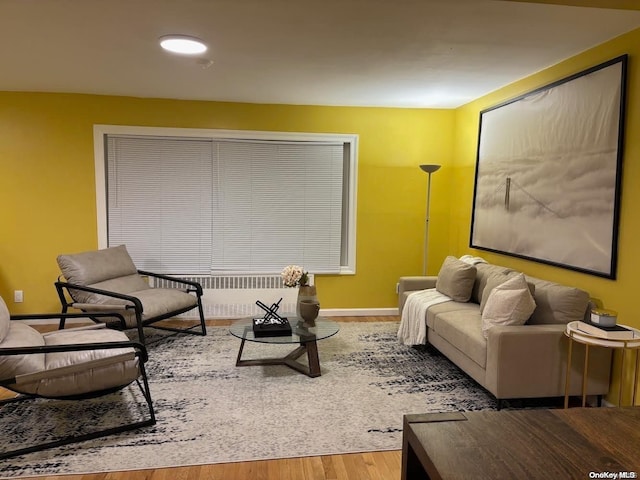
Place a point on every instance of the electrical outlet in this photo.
(18, 296)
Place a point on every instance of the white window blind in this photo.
(159, 201)
(197, 206)
(277, 203)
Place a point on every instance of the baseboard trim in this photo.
(358, 312)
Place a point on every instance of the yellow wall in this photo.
(47, 185)
(620, 294)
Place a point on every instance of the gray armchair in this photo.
(72, 364)
(108, 280)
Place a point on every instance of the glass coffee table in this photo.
(306, 335)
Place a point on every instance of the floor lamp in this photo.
(429, 169)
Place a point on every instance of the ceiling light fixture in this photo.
(182, 44)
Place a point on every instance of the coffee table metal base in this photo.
(309, 347)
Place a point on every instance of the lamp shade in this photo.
(429, 168)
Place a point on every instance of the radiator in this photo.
(234, 296)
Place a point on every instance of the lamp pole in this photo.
(429, 169)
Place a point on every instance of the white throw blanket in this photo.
(413, 324)
(471, 260)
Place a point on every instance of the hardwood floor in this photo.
(358, 466)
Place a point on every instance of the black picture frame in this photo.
(549, 170)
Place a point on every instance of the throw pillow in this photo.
(496, 280)
(492, 282)
(455, 279)
(510, 303)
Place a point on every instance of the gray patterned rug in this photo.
(210, 411)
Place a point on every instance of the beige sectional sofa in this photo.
(512, 361)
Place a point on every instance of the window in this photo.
(159, 202)
(196, 202)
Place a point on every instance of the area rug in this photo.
(210, 411)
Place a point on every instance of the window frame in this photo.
(350, 142)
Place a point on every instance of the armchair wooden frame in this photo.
(139, 351)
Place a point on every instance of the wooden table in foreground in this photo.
(578, 443)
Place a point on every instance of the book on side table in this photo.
(616, 332)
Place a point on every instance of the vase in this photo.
(305, 292)
(309, 310)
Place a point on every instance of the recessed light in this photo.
(183, 44)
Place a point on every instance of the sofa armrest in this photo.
(530, 361)
(416, 283)
(407, 285)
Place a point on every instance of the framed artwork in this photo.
(549, 169)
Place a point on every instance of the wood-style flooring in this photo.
(358, 466)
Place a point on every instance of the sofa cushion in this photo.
(463, 330)
(455, 279)
(484, 272)
(557, 303)
(445, 307)
(510, 303)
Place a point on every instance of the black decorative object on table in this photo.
(272, 324)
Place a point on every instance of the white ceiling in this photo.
(397, 53)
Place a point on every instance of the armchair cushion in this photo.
(21, 335)
(160, 301)
(125, 285)
(157, 302)
(88, 268)
(105, 376)
(4, 320)
(113, 368)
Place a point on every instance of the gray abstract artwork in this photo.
(548, 173)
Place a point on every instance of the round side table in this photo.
(588, 339)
